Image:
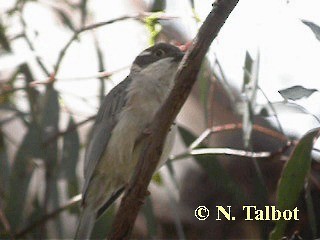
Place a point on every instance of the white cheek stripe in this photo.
(145, 53)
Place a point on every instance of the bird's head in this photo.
(158, 59)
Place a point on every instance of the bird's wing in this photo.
(105, 122)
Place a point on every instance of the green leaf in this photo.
(49, 126)
(33, 94)
(84, 11)
(196, 15)
(296, 92)
(153, 26)
(21, 173)
(314, 28)
(102, 88)
(158, 5)
(4, 168)
(148, 212)
(215, 171)
(4, 42)
(173, 202)
(187, 136)
(69, 161)
(293, 179)
(248, 62)
(192, 3)
(249, 89)
(156, 178)
(65, 19)
(311, 212)
(204, 84)
(103, 224)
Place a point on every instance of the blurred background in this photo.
(242, 132)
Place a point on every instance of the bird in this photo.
(116, 139)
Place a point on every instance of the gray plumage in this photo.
(105, 121)
(100, 135)
(115, 142)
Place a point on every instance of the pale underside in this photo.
(118, 132)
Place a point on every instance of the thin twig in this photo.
(49, 216)
(32, 48)
(273, 109)
(225, 84)
(7, 89)
(230, 151)
(76, 34)
(11, 118)
(234, 126)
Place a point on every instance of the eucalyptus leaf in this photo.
(204, 84)
(84, 11)
(249, 90)
(158, 5)
(49, 124)
(69, 161)
(293, 178)
(153, 26)
(296, 92)
(4, 41)
(101, 68)
(280, 108)
(148, 212)
(21, 174)
(103, 224)
(65, 19)
(314, 27)
(156, 178)
(248, 62)
(4, 168)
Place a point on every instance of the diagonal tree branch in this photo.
(185, 78)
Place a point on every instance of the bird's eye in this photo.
(159, 53)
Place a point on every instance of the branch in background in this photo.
(230, 151)
(47, 217)
(149, 158)
(234, 126)
(8, 89)
(68, 130)
(139, 16)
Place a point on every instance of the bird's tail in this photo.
(86, 224)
